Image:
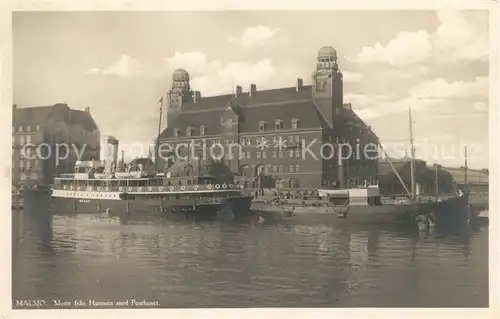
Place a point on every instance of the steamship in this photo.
(183, 189)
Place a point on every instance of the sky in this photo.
(120, 64)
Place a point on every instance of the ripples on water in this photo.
(230, 264)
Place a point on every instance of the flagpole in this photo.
(158, 136)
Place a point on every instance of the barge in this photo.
(357, 205)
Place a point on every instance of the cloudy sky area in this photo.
(120, 64)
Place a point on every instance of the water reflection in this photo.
(246, 264)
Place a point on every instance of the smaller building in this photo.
(48, 140)
(425, 177)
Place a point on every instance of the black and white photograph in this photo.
(167, 159)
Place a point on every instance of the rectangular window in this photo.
(262, 126)
(28, 128)
(249, 142)
(28, 164)
(290, 169)
(297, 153)
(297, 138)
(295, 123)
(280, 168)
(28, 139)
(290, 153)
(242, 155)
(275, 169)
(176, 132)
(281, 154)
(264, 155)
(242, 142)
(20, 129)
(297, 167)
(38, 127)
(290, 139)
(21, 140)
(202, 130)
(258, 155)
(278, 124)
(248, 155)
(274, 154)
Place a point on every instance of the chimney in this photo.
(253, 89)
(300, 83)
(239, 91)
(196, 96)
(87, 109)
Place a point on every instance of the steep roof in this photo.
(31, 115)
(39, 114)
(257, 97)
(83, 118)
(249, 118)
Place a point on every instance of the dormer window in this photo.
(189, 131)
(203, 130)
(177, 132)
(262, 126)
(278, 124)
(295, 123)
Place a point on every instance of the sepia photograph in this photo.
(250, 159)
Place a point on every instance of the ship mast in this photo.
(158, 135)
(412, 157)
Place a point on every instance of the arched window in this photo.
(294, 183)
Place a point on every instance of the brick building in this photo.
(304, 117)
(35, 133)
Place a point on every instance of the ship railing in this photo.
(155, 189)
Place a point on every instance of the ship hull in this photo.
(374, 214)
(138, 207)
(455, 212)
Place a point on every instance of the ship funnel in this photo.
(109, 153)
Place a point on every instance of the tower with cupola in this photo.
(179, 94)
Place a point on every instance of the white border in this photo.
(70, 5)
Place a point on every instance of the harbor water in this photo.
(64, 258)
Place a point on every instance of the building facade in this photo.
(47, 140)
(291, 136)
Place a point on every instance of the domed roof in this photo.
(327, 51)
(180, 75)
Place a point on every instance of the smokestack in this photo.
(253, 89)
(239, 90)
(196, 96)
(300, 83)
(123, 160)
(87, 109)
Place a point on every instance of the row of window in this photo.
(278, 168)
(258, 140)
(278, 125)
(26, 128)
(28, 164)
(22, 139)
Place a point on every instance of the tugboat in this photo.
(183, 189)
